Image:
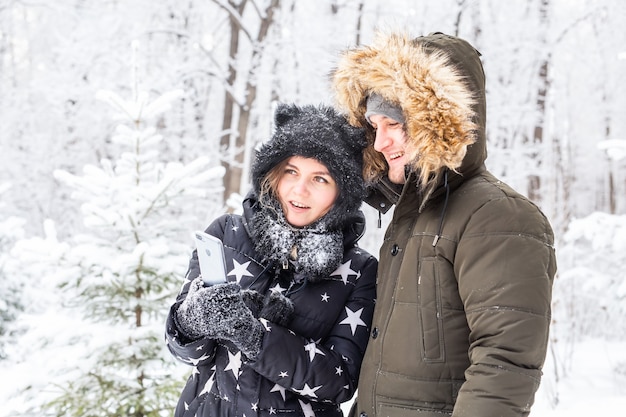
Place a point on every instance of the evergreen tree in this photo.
(125, 270)
(11, 228)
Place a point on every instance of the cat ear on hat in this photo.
(354, 137)
(284, 113)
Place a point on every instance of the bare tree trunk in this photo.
(226, 144)
(543, 84)
(234, 142)
(237, 182)
(336, 6)
(564, 178)
(459, 16)
(359, 23)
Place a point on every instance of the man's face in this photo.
(391, 142)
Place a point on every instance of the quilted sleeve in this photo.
(505, 266)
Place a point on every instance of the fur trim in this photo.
(433, 94)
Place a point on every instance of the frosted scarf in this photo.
(313, 250)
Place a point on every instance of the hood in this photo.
(439, 83)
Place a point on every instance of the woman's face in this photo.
(306, 191)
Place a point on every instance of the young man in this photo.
(466, 268)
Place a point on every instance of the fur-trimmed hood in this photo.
(439, 83)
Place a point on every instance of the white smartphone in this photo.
(211, 258)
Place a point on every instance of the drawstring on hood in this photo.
(443, 210)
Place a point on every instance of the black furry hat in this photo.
(325, 135)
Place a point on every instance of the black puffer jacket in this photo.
(320, 352)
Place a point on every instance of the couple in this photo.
(463, 287)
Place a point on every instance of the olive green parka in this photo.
(467, 264)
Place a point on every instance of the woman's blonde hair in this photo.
(269, 183)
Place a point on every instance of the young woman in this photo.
(287, 335)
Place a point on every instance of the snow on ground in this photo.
(595, 385)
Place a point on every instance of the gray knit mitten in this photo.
(277, 308)
(253, 300)
(219, 312)
(274, 307)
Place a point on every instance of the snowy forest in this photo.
(127, 125)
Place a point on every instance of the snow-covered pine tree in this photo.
(125, 270)
(11, 229)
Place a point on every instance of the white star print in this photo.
(265, 324)
(209, 383)
(278, 289)
(308, 391)
(325, 297)
(279, 389)
(234, 228)
(195, 362)
(283, 374)
(272, 410)
(311, 347)
(306, 409)
(234, 363)
(353, 319)
(255, 406)
(240, 270)
(344, 270)
(338, 370)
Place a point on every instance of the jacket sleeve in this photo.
(191, 352)
(327, 369)
(505, 265)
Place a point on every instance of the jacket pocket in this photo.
(408, 410)
(430, 310)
